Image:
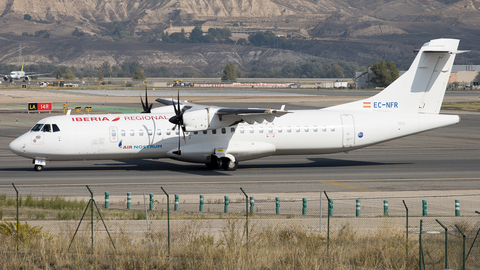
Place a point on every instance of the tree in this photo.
(384, 73)
(229, 73)
(27, 17)
(336, 71)
(59, 74)
(138, 75)
(196, 34)
(68, 74)
(100, 75)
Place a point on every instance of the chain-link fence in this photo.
(431, 228)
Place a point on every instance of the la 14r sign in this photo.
(40, 106)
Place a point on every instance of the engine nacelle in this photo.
(26, 79)
(6, 78)
(196, 120)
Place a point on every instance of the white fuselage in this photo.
(142, 136)
(15, 75)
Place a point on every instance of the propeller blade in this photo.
(145, 106)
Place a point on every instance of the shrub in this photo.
(26, 233)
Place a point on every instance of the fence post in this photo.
(457, 208)
(151, 201)
(246, 215)
(129, 200)
(357, 209)
(200, 207)
(168, 218)
(277, 205)
(304, 206)
(424, 208)
(406, 231)
(176, 206)
(252, 205)
(226, 205)
(17, 213)
(420, 249)
(385, 208)
(463, 235)
(107, 203)
(330, 207)
(330, 204)
(446, 242)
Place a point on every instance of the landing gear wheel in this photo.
(214, 163)
(38, 168)
(229, 165)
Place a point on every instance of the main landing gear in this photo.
(38, 168)
(227, 163)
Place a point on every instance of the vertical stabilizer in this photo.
(422, 87)
(22, 65)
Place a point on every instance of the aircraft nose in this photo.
(17, 146)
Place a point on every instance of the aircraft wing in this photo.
(198, 117)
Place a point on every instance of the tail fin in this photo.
(22, 65)
(421, 89)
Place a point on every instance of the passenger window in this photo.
(270, 129)
(251, 129)
(332, 128)
(150, 132)
(242, 130)
(289, 129)
(55, 128)
(159, 132)
(224, 130)
(279, 129)
(324, 128)
(260, 129)
(306, 128)
(132, 132)
(315, 128)
(140, 132)
(297, 129)
(205, 132)
(37, 127)
(168, 131)
(177, 131)
(114, 133)
(232, 130)
(47, 128)
(122, 132)
(214, 131)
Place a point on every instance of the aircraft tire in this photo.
(38, 168)
(214, 163)
(228, 165)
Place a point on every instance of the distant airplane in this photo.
(223, 137)
(17, 75)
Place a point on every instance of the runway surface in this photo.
(446, 159)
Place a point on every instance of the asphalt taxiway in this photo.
(443, 160)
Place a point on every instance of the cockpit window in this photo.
(47, 128)
(55, 128)
(37, 127)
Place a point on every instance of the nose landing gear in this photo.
(39, 164)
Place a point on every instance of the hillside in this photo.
(354, 30)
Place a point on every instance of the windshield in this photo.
(37, 127)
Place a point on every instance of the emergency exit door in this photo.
(348, 130)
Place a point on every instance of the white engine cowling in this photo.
(5, 78)
(26, 79)
(196, 120)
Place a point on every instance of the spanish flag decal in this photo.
(367, 104)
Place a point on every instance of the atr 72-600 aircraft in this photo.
(224, 136)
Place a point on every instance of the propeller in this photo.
(146, 107)
(177, 120)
